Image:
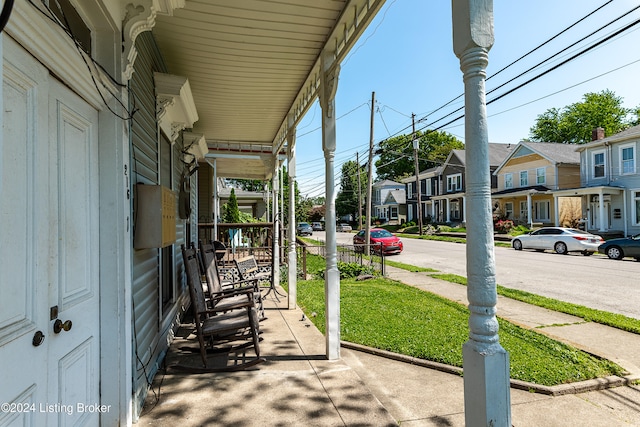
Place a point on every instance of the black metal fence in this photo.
(346, 253)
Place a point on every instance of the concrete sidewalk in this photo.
(298, 387)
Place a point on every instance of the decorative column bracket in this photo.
(140, 15)
(175, 107)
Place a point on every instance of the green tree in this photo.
(247, 184)
(231, 210)
(347, 199)
(396, 154)
(636, 120)
(574, 123)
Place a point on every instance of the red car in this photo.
(379, 238)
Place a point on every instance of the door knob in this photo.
(59, 326)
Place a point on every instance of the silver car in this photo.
(343, 227)
(559, 239)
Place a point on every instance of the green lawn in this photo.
(392, 316)
(614, 320)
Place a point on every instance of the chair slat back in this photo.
(246, 266)
(190, 259)
(208, 254)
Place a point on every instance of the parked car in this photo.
(304, 229)
(620, 248)
(317, 226)
(559, 239)
(381, 239)
(343, 227)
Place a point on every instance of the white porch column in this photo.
(624, 210)
(464, 209)
(556, 210)
(216, 200)
(448, 216)
(276, 225)
(433, 211)
(529, 211)
(486, 363)
(292, 278)
(328, 86)
(601, 219)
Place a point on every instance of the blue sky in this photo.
(406, 57)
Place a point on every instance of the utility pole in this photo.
(367, 227)
(359, 194)
(416, 146)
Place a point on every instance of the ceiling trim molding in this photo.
(354, 20)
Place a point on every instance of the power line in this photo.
(578, 54)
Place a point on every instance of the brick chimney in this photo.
(597, 133)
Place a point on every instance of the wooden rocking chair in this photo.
(220, 325)
(248, 269)
(217, 287)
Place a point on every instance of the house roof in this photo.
(427, 173)
(388, 183)
(399, 196)
(530, 189)
(631, 133)
(497, 153)
(254, 69)
(555, 153)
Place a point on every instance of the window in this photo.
(65, 12)
(455, 209)
(598, 164)
(508, 180)
(636, 207)
(524, 178)
(166, 253)
(454, 182)
(627, 160)
(541, 211)
(410, 190)
(409, 212)
(393, 212)
(541, 176)
(508, 210)
(427, 185)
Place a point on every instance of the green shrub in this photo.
(518, 230)
(348, 270)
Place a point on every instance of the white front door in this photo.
(595, 221)
(48, 250)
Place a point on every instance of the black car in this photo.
(620, 248)
(304, 229)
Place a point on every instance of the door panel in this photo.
(74, 353)
(24, 254)
(49, 251)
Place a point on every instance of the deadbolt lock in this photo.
(59, 326)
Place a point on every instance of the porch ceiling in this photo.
(253, 63)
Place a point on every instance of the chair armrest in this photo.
(248, 304)
(226, 293)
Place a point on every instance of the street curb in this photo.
(557, 390)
